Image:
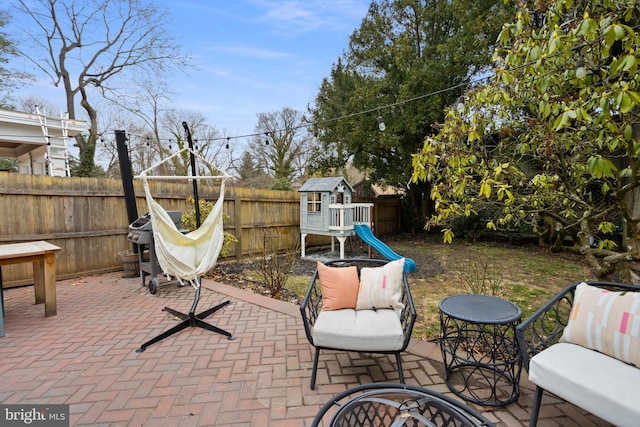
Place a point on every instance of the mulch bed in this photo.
(239, 273)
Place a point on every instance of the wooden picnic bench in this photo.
(42, 255)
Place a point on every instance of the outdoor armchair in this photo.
(583, 346)
(360, 305)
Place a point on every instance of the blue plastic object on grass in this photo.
(365, 233)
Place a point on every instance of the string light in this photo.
(346, 116)
(228, 139)
(379, 108)
(381, 124)
(579, 71)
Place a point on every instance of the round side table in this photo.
(479, 348)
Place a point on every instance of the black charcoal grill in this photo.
(141, 234)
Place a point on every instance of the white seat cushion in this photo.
(595, 382)
(359, 330)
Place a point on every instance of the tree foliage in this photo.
(89, 45)
(551, 141)
(404, 55)
(251, 175)
(9, 79)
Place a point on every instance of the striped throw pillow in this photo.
(605, 321)
(381, 287)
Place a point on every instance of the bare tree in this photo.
(206, 140)
(9, 78)
(30, 103)
(149, 102)
(281, 146)
(156, 137)
(90, 43)
(139, 144)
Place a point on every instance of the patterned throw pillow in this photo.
(381, 287)
(605, 321)
(339, 286)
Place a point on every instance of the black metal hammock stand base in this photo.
(191, 319)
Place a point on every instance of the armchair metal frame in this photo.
(312, 306)
(545, 326)
(388, 404)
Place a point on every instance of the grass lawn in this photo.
(525, 274)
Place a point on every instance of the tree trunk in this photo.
(88, 146)
(632, 236)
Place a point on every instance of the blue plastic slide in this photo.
(365, 233)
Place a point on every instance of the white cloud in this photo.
(296, 17)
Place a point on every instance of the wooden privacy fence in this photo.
(87, 218)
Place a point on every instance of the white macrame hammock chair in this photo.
(186, 256)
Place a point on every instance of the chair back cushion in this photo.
(605, 321)
(339, 286)
(381, 287)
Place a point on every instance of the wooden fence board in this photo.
(87, 218)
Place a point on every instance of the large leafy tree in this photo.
(405, 53)
(552, 141)
(90, 44)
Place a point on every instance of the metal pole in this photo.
(192, 159)
(127, 179)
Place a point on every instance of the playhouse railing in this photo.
(342, 217)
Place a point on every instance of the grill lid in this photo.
(144, 222)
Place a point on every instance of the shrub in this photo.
(189, 221)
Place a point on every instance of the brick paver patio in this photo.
(85, 357)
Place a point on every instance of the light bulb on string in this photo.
(227, 146)
(381, 124)
(581, 71)
(266, 139)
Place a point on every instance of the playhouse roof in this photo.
(324, 184)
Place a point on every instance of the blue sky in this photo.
(251, 56)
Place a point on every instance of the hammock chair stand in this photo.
(191, 319)
(194, 275)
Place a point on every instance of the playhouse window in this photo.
(314, 202)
